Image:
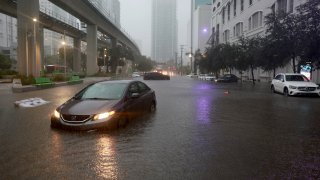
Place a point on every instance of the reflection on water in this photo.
(106, 164)
(203, 107)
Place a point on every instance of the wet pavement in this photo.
(200, 130)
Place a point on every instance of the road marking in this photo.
(31, 102)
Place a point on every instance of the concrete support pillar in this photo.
(114, 61)
(76, 55)
(29, 38)
(92, 64)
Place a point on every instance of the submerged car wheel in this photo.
(152, 107)
(285, 92)
(272, 89)
(122, 122)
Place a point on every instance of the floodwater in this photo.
(200, 130)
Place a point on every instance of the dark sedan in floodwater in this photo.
(106, 105)
(227, 78)
(155, 76)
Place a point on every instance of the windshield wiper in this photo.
(95, 98)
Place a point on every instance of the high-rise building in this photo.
(164, 30)
(201, 2)
(110, 9)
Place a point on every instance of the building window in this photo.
(226, 35)
(291, 5)
(234, 7)
(223, 14)
(242, 3)
(255, 20)
(282, 5)
(238, 29)
(218, 5)
(228, 11)
(217, 34)
(250, 2)
(214, 9)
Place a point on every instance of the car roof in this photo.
(289, 74)
(117, 81)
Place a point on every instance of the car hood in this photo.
(302, 84)
(87, 107)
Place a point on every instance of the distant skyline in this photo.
(136, 20)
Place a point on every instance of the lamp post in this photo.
(34, 65)
(191, 46)
(64, 53)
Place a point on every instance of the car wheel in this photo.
(285, 92)
(122, 122)
(272, 89)
(152, 107)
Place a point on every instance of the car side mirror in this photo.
(282, 80)
(135, 95)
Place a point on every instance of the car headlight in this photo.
(56, 114)
(292, 87)
(104, 115)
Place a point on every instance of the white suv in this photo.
(294, 84)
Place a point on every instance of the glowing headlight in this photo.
(103, 115)
(292, 87)
(56, 114)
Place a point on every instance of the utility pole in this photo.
(191, 47)
(181, 46)
(176, 61)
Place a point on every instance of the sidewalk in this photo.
(17, 88)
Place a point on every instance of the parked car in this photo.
(209, 77)
(155, 76)
(294, 84)
(135, 74)
(227, 78)
(202, 76)
(106, 104)
(192, 75)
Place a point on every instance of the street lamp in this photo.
(64, 53)
(35, 69)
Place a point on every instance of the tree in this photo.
(248, 54)
(144, 64)
(69, 56)
(309, 18)
(5, 62)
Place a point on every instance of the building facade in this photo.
(8, 38)
(201, 2)
(164, 30)
(232, 19)
(201, 27)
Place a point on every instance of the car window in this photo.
(296, 78)
(133, 88)
(103, 91)
(278, 77)
(143, 87)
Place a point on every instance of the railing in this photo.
(59, 17)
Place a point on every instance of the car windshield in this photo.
(103, 91)
(296, 78)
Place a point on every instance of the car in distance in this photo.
(135, 74)
(155, 76)
(105, 105)
(209, 77)
(294, 84)
(227, 78)
(192, 75)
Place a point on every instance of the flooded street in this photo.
(200, 130)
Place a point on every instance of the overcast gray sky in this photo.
(136, 20)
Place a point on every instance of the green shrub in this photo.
(26, 80)
(8, 72)
(58, 77)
